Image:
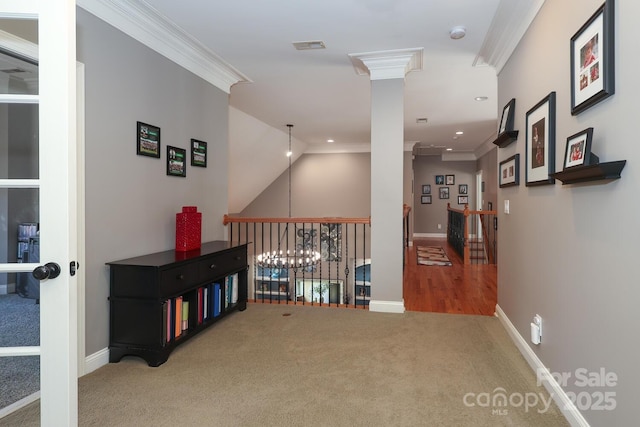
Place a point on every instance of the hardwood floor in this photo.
(460, 289)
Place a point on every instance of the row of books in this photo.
(209, 301)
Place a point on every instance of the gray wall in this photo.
(322, 185)
(569, 252)
(130, 201)
(427, 217)
(488, 165)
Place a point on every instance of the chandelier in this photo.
(289, 259)
(299, 258)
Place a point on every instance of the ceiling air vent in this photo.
(315, 44)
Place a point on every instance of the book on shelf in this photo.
(178, 317)
(234, 289)
(216, 299)
(227, 291)
(205, 303)
(200, 302)
(185, 315)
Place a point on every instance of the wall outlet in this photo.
(439, 226)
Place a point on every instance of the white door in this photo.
(55, 186)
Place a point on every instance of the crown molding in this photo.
(19, 47)
(387, 64)
(510, 23)
(142, 22)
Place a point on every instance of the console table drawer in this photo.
(221, 265)
(174, 280)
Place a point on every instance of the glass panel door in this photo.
(19, 219)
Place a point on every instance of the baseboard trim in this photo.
(9, 288)
(387, 306)
(429, 235)
(568, 409)
(19, 404)
(96, 360)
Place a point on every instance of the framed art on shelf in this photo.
(451, 179)
(148, 140)
(198, 153)
(176, 161)
(508, 112)
(463, 200)
(426, 189)
(463, 189)
(578, 150)
(541, 142)
(592, 60)
(444, 192)
(425, 200)
(509, 172)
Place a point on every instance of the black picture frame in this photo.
(176, 161)
(463, 189)
(592, 60)
(541, 142)
(508, 115)
(509, 172)
(425, 199)
(426, 189)
(147, 140)
(450, 179)
(443, 192)
(198, 153)
(578, 149)
(463, 200)
(439, 179)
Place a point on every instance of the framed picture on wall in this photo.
(198, 153)
(451, 179)
(508, 112)
(426, 189)
(578, 150)
(592, 60)
(509, 172)
(148, 140)
(540, 142)
(444, 192)
(463, 189)
(463, 200)
(439, 179)
(425, 199)
(176, 161)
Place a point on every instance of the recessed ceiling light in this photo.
(330, 141)
(457, 32)
(455, 137)
(421, 120)
(459, 132)
(313, 44)
(481, 98)
(449, 149)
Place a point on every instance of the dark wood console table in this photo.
(149, 295)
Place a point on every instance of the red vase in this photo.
(188, 229)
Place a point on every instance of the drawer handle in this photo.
(180, 277)
(212, 266)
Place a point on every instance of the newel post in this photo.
(467, 256)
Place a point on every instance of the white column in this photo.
(387, 71)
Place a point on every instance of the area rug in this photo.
(432, 255)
